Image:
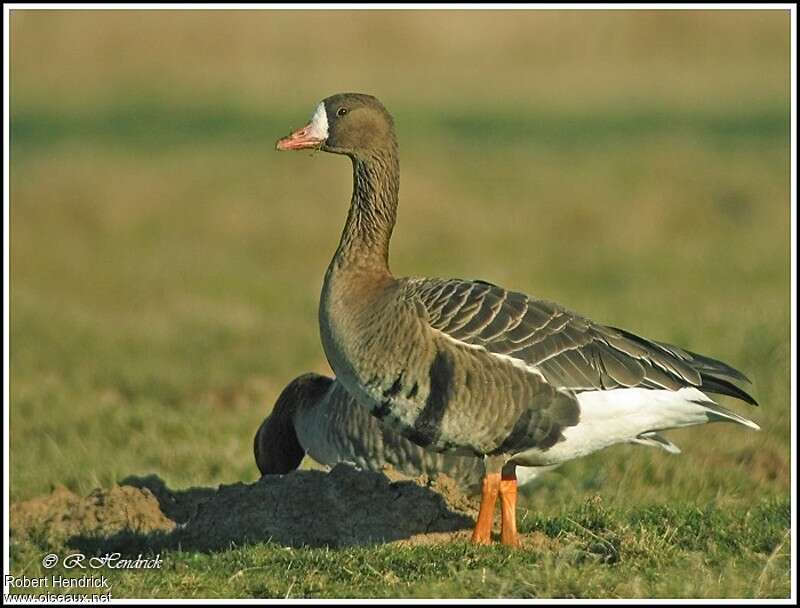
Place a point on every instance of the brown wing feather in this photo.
(570, 351)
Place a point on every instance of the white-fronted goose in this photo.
(470, 367)
(315, 415)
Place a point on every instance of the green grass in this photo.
(166, 265)
(585, 551)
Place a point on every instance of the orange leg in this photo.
(508, 510)
(482, 535)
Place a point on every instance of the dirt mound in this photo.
(344, 507)
(178, 505)
(62, 514)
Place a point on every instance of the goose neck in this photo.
(373, 210)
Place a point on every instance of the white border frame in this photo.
(7, 8)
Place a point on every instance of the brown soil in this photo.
(341, 508)
(62, 514)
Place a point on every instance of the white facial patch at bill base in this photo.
(318, 127)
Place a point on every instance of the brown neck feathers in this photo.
(373, 210)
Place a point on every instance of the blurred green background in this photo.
(166, 262)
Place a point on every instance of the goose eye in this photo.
(341, 111)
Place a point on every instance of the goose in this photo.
(314, 415)
(468, 367)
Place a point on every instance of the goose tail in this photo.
(716, 413)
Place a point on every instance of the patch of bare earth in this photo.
(62, 514)
(343, 507)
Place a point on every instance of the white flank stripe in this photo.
(519, 363)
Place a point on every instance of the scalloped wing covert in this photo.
(570, 351)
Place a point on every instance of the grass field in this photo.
(166, 264)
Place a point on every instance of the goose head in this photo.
(276, 447)
(353, 124)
